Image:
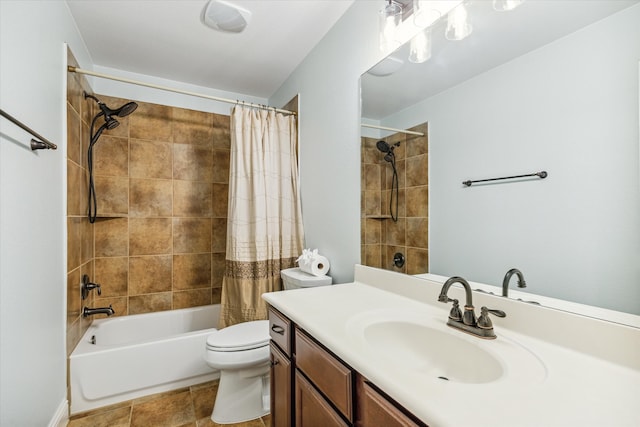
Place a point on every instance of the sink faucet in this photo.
(86, 311)
(507, 278)
(481, 327)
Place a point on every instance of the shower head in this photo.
(108, 113)
(383, 146)
(123, 111)
(388, 149)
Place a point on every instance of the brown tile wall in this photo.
(381, 237)
(80, 254)
(161, 180)
(162, 183)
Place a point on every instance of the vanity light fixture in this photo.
(458, 26)
(420, 47)
(506, 5)
(226, 17)
(390, 17)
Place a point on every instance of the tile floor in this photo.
(185, 407)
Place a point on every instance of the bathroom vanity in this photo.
(378, 352)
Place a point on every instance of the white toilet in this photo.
(241, 353)
(294, 278)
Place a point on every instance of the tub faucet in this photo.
(467, 322)
(86, 311)
(507, 278)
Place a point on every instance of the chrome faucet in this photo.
(86, 311)
(481, 327)
(507, 278)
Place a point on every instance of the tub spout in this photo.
(86, 311)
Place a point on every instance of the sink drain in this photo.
(444, 378)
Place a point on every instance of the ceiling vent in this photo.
(224, 16)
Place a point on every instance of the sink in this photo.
(424, 346)
(433, 352)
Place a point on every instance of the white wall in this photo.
(32, 210)
(328, 83)
(162, 97)
(578, 120)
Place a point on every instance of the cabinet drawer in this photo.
(280, 330)
(330, 376)
(311, 408)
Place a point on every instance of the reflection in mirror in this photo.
(553, 86)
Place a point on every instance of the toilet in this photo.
(241, 353)
(294, 278)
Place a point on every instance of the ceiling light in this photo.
(386, 67)
(506, 5)
(458, 26)
(390, 17)
(224, 16)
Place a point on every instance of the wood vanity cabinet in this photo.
(312, 387)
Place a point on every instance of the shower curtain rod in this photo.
(184, 92)
(408, 132)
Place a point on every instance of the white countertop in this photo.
(590, 369)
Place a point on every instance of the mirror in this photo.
(549, 86)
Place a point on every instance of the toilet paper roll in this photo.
(318, 265)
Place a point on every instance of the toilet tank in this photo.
(294, 278)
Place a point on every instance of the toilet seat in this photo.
(239, 337)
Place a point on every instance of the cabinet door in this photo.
(374, 410)
(311, 408)
(281, 380)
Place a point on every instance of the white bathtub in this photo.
(142, 354)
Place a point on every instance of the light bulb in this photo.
(506, 5)
(424, 14)
(458, 26)
(390, 17)
(420, 48)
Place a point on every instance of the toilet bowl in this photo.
(241, 354)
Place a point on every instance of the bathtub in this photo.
(138, 355)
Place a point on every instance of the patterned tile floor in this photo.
(185, 407)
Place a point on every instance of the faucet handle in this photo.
(484, 321)
(455, 313)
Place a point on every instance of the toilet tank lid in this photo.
(299, 277)
(241, 336)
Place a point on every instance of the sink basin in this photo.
(433, 352)
(425, 347)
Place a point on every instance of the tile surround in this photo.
(382, 237)
(162, 182)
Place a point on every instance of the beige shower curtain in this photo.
(264, 224)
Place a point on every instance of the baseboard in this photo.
(61, 417)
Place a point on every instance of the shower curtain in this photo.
(264, 224)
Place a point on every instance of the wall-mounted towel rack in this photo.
(541, 175)
(43, 143)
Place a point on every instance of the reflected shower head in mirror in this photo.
(388, 149)
(390, 157)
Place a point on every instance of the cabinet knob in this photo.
(275, 362)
